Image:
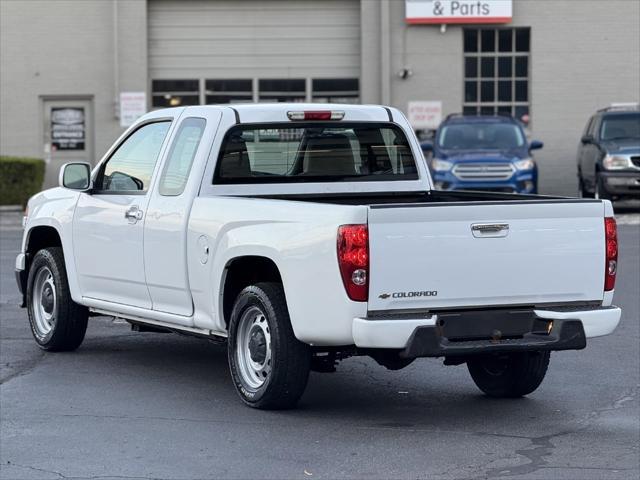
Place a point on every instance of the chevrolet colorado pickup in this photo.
(303, 234)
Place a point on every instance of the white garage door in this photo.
(221, 48)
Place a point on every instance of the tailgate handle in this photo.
(484, 230)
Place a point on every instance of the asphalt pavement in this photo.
(147, 405)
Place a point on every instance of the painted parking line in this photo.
(628, 219)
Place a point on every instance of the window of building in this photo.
(496, 71)
(282, 90)
(229, 91)
(180, 158)
(131, 166)
(175, 93)
(335, 90)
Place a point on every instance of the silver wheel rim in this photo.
(253, 348)
(43, 302)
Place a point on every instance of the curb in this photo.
(11, 208)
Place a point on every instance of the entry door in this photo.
(68, 135)
(108, 222)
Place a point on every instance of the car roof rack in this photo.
(621, 107)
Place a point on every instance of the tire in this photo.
(600, 191)
(584, 193)
(511, 375)
(269, 366)
(58, 324)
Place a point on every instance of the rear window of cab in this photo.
(315, 152)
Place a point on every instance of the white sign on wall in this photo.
(132, 106)
(425, 115)
(458, 11)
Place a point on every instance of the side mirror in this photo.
(586, 139)
(536, 145)
(75, 176)
(427, 146)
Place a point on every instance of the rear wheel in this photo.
(509, 375)
(269, 366)
(57, 322)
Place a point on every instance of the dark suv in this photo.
(609, 154)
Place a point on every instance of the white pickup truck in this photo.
(303, 234)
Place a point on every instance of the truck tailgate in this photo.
(450, 255)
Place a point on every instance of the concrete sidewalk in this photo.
(11, 218)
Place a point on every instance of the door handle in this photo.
(133, 214)
(480, 230)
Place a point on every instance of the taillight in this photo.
(353, 258)
(611, 253)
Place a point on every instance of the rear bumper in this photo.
(485, 331)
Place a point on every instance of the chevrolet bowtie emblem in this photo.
(384, 295)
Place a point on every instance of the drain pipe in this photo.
(116, 71)
(385, 53)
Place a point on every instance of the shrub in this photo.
(19, 179)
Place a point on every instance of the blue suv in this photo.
(483, 152)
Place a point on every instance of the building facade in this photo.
(74, 73)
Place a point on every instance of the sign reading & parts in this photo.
(458, 11)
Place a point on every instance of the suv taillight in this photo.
(353, 259)
(611, 253)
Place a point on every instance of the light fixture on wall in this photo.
(405, 73)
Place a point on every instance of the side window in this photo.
(591, 130)
(180, 158)
(587, 127)
(131, 166)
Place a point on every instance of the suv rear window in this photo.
(315, 152)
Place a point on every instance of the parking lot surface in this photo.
(147, 405)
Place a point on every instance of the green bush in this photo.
(19, 179)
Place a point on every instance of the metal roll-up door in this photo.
(203, 39)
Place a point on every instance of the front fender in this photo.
(54, 209)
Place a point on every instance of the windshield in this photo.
(620, 126)
(317, 152)
(481, 136)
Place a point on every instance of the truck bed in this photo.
(421, 198)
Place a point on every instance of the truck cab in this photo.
(483, 152)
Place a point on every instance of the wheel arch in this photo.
(42, 236)
(37, 238)
(242, 271)
(45, 235)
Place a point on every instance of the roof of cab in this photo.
(277, 112)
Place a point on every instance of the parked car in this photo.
(324, 242)
(609, 154)
(483, 152)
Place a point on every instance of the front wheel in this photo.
(509, 375)
(601, 193)
(269, 366)
(57, 322)
(584, 193)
